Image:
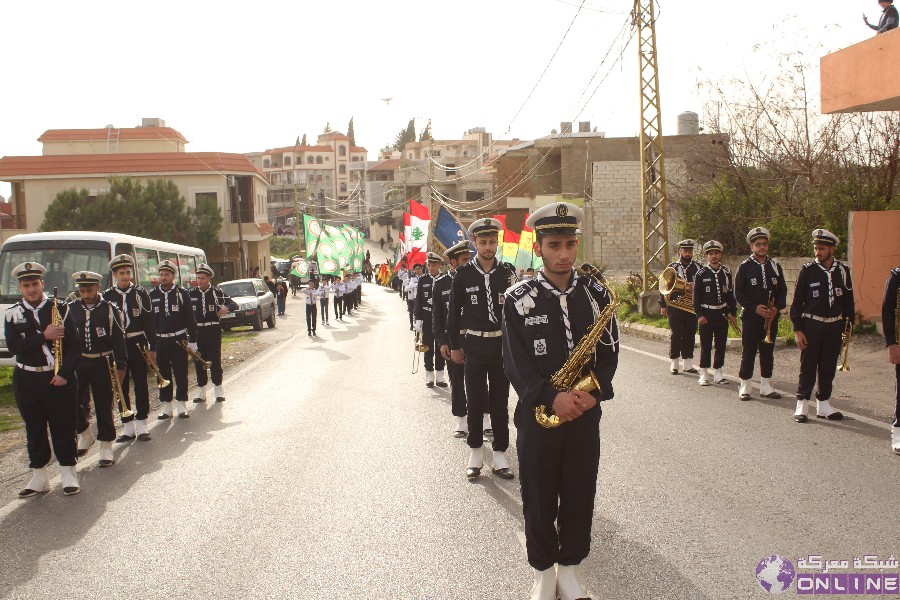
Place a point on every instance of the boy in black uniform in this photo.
(101, 335)
(889, 319)
(458, 255)
(210, 303)
(682, 323)
(823, 305)
(172, 308)
(424, 320)
(714, 302)
(134, 303)
(409, 290)
(473, 329)
(544, 319)
(45, 399)
(758, 281)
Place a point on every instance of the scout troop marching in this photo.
(96, 349)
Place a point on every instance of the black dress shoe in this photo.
(199, 400)
(441, 384)
(220, 398)
(489, 432)
(184, 415)
(124, 438)
(460, 434)
(81, 452)
(835, 416)
(691, 371)
(71, 491)
(429, 384)
(800, 418)
(28, 493)
(144, 437)
(772, 395)
(163, 417)
(503, 473)
(473, 473)
(673, 371)
(106, 463)
(745, 397)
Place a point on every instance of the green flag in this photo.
(312, 230)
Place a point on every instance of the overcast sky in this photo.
(243, 77)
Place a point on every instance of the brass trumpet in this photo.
(669, 283)
(161, 381)
(769, 321)
(420, 347)
(194, 355)
(118, 394)
(846, 336)
(735, 324)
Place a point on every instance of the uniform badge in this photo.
(540, 347)
(135, 311)
(708, 289)
(474, 299)
(815, 293)
(838, 292)
(174, 308)
(211, 307)
(501, 299)
(156, 309)
(561, 210)
(101, 331)
(753, 281)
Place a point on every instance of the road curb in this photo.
(661, 334)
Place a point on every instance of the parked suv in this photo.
(256, 304)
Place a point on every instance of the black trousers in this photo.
(716, 329)
(819, 360)
(410, 305)
(209, 344)
(94, 382)
(323, 302)
(136, 373)
(338, 307)
(172, 361)
(457, 376)
(684, 329)
(752, 336)
(311, 317)
(558, 476)
(487, 390)
(433, 357)
(897, 393)
(44, 406)
(348, 303)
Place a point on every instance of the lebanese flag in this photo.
(502, 219)
(419, 223)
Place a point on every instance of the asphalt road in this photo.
(330, 472)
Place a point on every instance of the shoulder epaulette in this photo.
(522, 294)
(16, 311)
(896, 271)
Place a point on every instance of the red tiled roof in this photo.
(335, 135)
(357, 149)
(265, 228)
(125, 133)
(110, 164)
(388, 165)
(299, 149)
(283, 212)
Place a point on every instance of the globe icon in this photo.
(775, 574)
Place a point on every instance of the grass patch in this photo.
(10, 422)
(238, 334)
(9, 418)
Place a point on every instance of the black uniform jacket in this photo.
(534, 338)
(99, 329)
(684, 272)
(750, 290)
(469, 301)
(889, 307)
(424, 300)
(207, 303)
(708, 293)
(25, 337)
(441, 308)
(136, 308)
(173, 311)
(811, 294)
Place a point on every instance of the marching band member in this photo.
(44, 399)
(175, 322)
(458, 255)
(409, 291)
(210, 303)
(473, 329)
(544, 319)
(424, 304)
(682, 323)
(102, 338)
(758, 281)
(311, 299)
(348, 295)
(134, 303)
(890, 318)
(713, 299)
(325, 291)
(339, 289)
(823, 304)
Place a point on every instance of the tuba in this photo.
(669, 283)
(56, 321)
(571, 375)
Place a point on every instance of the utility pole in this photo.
(654, 229)
(235, 193)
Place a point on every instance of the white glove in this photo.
(419, 325)
(193, 346)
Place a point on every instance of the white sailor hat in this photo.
(434, 257)
(29, 270)
(823, 236)
(686, 244)
(122, 260)
(205, 269)
(559, 218)
(167, 265)
(756, 233)
(712, 245)
(457, 249)
(485, 227)
(87, 278)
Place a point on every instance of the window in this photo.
(287, 178)
(171, 256)
(61, 258)
(344, 187)
(287, 161)
(354, 158)
(309, 159)
(436, 153)
(276, 178)
(318, 160)
(450, 170)
(146, 262)
(188, 270)
(342, 150)
(266, 163)
(206, 198)
(342, 169)
(474, 196)
(318, 178)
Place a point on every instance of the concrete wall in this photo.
(113, 147)
(874, 249)
(862, 77)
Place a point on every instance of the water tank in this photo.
(688, 123)
(565, 127)
(584, 126)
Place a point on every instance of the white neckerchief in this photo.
(762, 267)
(715, 273)
(563, 303)
(88, 309)
(51, 362)
(124, 294)
(681, 269)
(487, 286)
(828, 273)
(166, 298)
(203, 298)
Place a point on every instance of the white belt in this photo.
(208, 324)
(134, 334)
(711, 307)
(168, 335)
(822, 319)
(96, 355)
(34, 369)
(484, 334)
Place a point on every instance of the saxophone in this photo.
(56, 321)
(570, 376)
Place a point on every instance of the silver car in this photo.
(255, 301)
